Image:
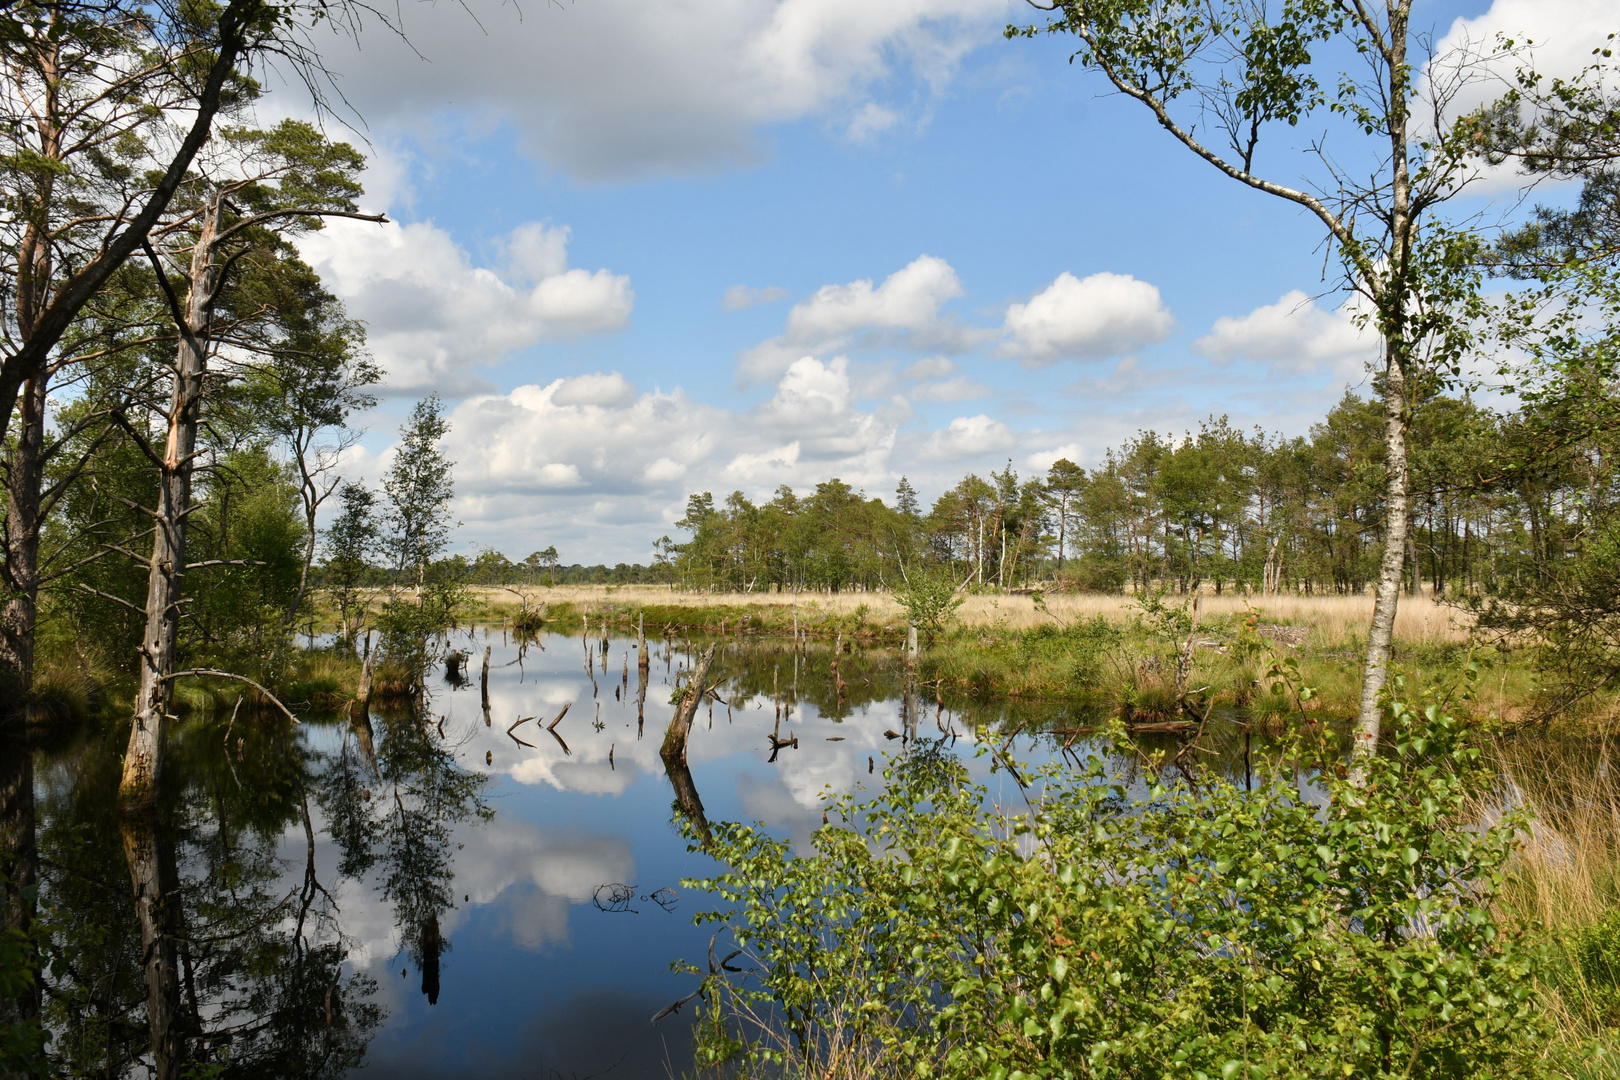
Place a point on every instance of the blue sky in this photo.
(730, 244)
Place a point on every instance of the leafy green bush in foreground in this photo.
(1192, 932)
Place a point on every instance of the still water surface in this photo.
(445, 887)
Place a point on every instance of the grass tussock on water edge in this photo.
(66, 687)
(325, 679)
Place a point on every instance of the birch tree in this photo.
(1228, 79)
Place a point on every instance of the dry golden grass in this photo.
(1563, 879)
(1420, 618)
(1566, 871)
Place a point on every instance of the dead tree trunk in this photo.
(432, 946)
(483, 684)
(143, 762)
(913, 705)
(674, 749)
(643, 666)
(362, 695)
(687, 801)
(680, 725)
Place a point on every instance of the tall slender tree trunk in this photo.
(24, 472)
(19, 852)
(1381, 634)
(21, 572)
(143, 761)
(1063, 522)
(19, 582)
(1395, 293)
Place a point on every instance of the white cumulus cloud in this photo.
(904, 310)
(535, 251)
(433, 317)
(969, 436)
(595, 389)
(1086, 318)
(1294, 335)
(581, 302)
(614, 89)
(908, 299)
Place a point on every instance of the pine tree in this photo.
(419, 489)
(350, 543)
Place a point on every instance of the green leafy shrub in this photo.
(1081, 647)
(1197, 932)
(1595, 948)
(930, 601)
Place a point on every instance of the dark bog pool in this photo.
(449, 894)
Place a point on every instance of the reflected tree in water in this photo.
(215, 950)
(396, 823)
(20, 1032)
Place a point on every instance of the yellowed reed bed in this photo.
(1420, 618)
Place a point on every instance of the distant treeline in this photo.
(1498, 496)
(493, 568)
